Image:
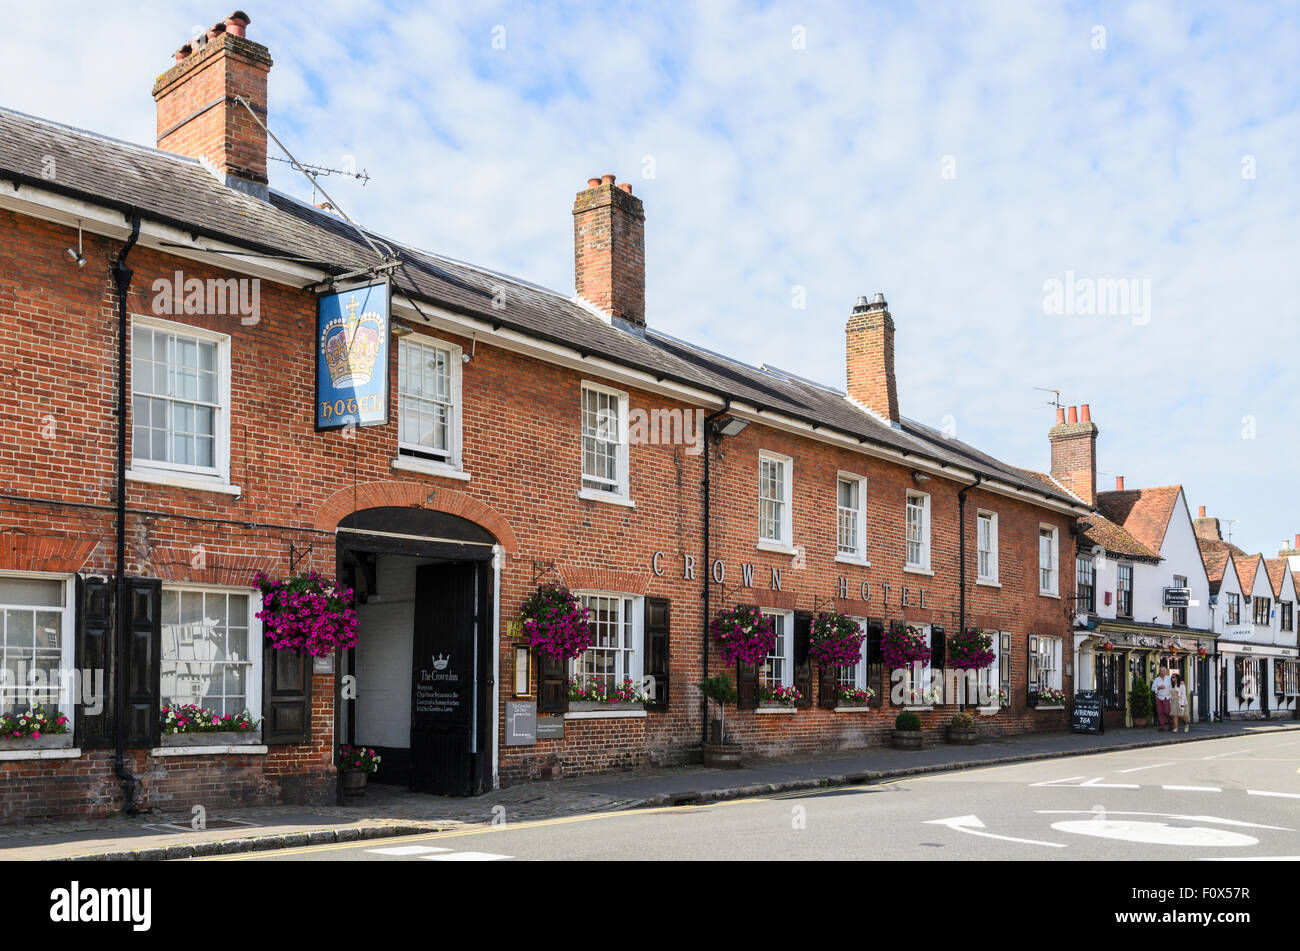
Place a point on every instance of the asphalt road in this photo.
(1236, 798)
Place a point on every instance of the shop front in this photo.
(1114, 656)
(1258, 681)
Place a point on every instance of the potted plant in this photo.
(191, 725)
(308, 613)
(34, 728)
(719, 751)
(595, 695)
(836, 640)
(853, 696)
(907, 733)
(778, 696)
(1139, 702)
(961, 731)
(744, 635)
(554, 622)
(356, 763)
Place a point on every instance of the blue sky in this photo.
(955, 156)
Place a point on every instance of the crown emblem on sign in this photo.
(351, 345)
(441, 661)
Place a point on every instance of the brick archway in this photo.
(414, 494)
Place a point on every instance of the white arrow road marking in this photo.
(1098, 784)
(1057, 782)
(407, 850)
(1192, 788)
(465, 857)
(1229, 753)
(1283, 795)
(1136, 769)
(1163, 815)
(971, 826)
(1154, 833)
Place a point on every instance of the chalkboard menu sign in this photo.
(1085, 716)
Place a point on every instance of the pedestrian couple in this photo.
(1171, 701)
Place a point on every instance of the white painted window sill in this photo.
(178, 480)
(917, 707)
(853, 560)
(776, 709)
(222, 750)
(613, 498)
(911, 570)
(66, 753)
(1049, 594)
(605, 715)
(988, 711)
(775, 547)
(1056, 706)
(853, 709)
(988, 583)
(429, 467)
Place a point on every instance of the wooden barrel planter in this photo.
(722, 756)
(962, 737)
(907, 739)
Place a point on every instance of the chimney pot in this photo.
(607, 179)
(1060, 415)
(627, 187)
(1119, 483)
(1074, 414)
(1201, 512)
(237, 23)
(593, 182)
(879, 298)
(1297, 541)
(1085, 414)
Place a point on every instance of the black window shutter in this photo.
(657, 628)
(876, 659)
(552, 683)
(286, 696)
(803, 665)
(94, 651)
(141, 669)
(939, 656)
(746, 686)
(828, 685)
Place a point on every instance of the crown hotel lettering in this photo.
(350, 345)
(906, 598)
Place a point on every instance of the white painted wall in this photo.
(386, 625)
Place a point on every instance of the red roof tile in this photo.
(1102, 531)
(1144, 513)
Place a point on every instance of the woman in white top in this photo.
(1178, 703)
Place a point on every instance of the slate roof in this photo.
(181, 192)
(1144, 513)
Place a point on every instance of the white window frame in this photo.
(924, 564)
(1052, 658)
(785, 543)
(859, 670)
(169, 473)
(991, 676)
(619, 490)
(412, 456)
(859, 555)
(786, 639)
(1054, 589)
(67, 650)
(255, 635)
(991, 576)
(635, 658)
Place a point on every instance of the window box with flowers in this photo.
(593, 695)
(1048, 698)
(192, 725)
(778, 698)
(34, 728)
(852, 699)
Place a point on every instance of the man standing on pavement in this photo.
(1164, 691)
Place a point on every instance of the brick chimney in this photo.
(1207, 527)
(1292, 555)
(1074, 451)
(869, 357)
(198, 114)
(609, 249)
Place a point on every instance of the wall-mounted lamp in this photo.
(728, 426)
(920, 477)
(400, 330)
(77, 255)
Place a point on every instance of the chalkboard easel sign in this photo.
(1085, 715)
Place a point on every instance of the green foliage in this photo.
(963, 721)
(908, 722)
(1140, 698)
(719, 689)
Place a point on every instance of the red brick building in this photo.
(159, 317)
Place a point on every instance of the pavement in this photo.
(388, 812)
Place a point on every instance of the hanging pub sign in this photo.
(1178, 597)
(352, 334)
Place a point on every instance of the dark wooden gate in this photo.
(443, 672)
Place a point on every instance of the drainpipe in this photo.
(122, 278)
(708, 561)
(961, 545)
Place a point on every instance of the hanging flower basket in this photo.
(836, 640)
(307, 613)
(904, 645)
(555, 622)
(744, 635)
(971, 649)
